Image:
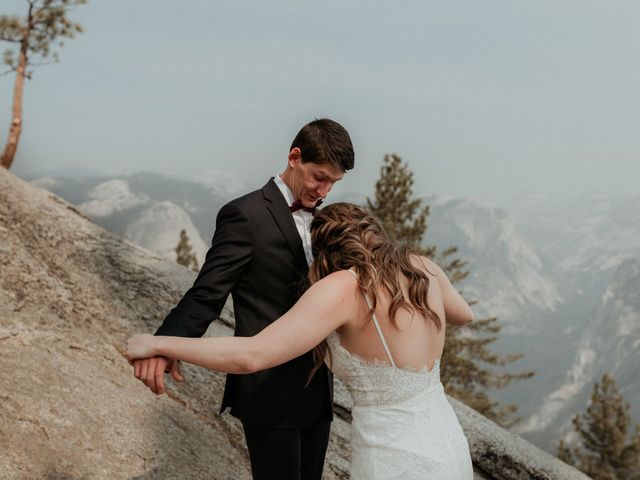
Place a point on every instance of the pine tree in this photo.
(601, 450)
(403, 218)
(184, 252)
(467, 364)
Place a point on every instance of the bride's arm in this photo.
(326, 306)
(456, 310)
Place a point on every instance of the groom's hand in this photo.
(150, 371)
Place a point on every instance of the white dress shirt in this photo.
(301, 218)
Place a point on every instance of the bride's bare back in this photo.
(415, 342)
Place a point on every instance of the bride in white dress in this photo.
(377, 315)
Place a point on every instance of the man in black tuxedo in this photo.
(260, 253)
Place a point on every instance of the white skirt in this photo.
(419, 439)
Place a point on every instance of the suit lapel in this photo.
(279, 209)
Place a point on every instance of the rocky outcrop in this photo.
(502, 455)
(70, 295)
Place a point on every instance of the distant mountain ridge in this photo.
(566, 295)
(148, 208)
(507, 275)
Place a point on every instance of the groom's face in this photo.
(310, 181)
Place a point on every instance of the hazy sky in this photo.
(481, 98)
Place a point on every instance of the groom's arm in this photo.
(231, 251)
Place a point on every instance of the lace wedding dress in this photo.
(403, 426)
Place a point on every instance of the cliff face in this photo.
(70, 295)
(607, 340)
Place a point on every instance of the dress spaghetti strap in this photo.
(377, 325)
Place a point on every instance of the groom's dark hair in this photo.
(325, 141)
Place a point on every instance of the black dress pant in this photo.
(287, 454)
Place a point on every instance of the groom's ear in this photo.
(295, 156)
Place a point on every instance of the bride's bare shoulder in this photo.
(336, 295)
(427, 265)
(340, 282)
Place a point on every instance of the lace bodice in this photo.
(376, 383)
(402, 426)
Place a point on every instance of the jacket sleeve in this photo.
(230, 253)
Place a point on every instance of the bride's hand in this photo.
(141, 346)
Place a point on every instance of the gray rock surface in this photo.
(502, 455)
(70, 295)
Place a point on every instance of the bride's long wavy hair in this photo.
(344, 235)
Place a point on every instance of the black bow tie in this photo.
(297, 205)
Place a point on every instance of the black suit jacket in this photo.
(256, 255)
